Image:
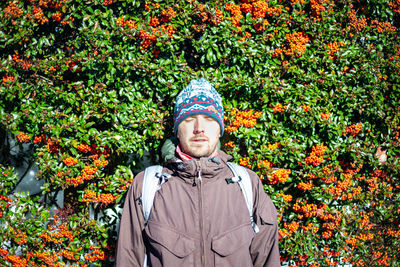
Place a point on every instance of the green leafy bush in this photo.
(311, 91)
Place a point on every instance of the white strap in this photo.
(242, 177)
(151, 183)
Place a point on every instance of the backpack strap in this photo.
(242, 177)
(153, 179)
(152, 182)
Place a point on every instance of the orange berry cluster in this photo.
(12, 10)
(305, 108)
(340, 189)
(62, 233)
(57, 16)
(39, 16)
(128, 22)
(53, 146)
(70, 161)
(283, 233)
(382, 259)
(70, 255)
(292, 227)
(39, 139)
(392, 232)
(333, 48)
(279, 176)
(108, 2)
(357, 23)
(305, 186)
(7, 78)
(278, 108)
(330, 179)
(167, 14)
(395, 6)
(218, 17)
(310, 227)
(168, 30)
(3, 252)
(373, 181)
(325, 116)
(353, 129)
(307, 210)
(4, 204)
(318, 6)
(259, 8)
(65, 21)
(247, 35)
(154, 22)
(277, 53)
(101, 163)
(47, 257)
(147, 39)
(286, 198)
(235, 13)
(23, 137)
(15, 260)
(24, 64)
(327, 234)
(20, 238)
(383, 26)
(264, 164)
(95, 255)
(261, 26)
(91, 196)
(52, 3)
(230, 144)
(85, 148)
(86, 174)
(274, 146)
(57, 235)
(245, 162)
(297, 43)
(247, 119)
(294, 2)
(316, 156)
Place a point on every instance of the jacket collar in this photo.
(209, 167)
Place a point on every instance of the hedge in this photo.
(311, 92)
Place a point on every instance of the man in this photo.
(198, 218)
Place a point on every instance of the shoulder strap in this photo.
(151, 183)
(242, 177)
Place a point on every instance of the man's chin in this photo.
(199, 153)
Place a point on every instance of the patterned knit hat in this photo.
(199, 97)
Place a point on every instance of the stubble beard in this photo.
(199, 151)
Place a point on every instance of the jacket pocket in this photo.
(168, 247)
(265, 217)
(232, 248)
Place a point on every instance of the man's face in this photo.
(198, 135)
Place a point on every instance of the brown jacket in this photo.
(198, 219)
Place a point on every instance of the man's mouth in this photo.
(199, 139)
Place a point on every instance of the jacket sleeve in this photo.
(264, 248)
(130, 249)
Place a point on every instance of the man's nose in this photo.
(199, 126)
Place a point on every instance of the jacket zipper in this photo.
(199, 180)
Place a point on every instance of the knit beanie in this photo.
(199, 97)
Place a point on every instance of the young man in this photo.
(197, 217)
